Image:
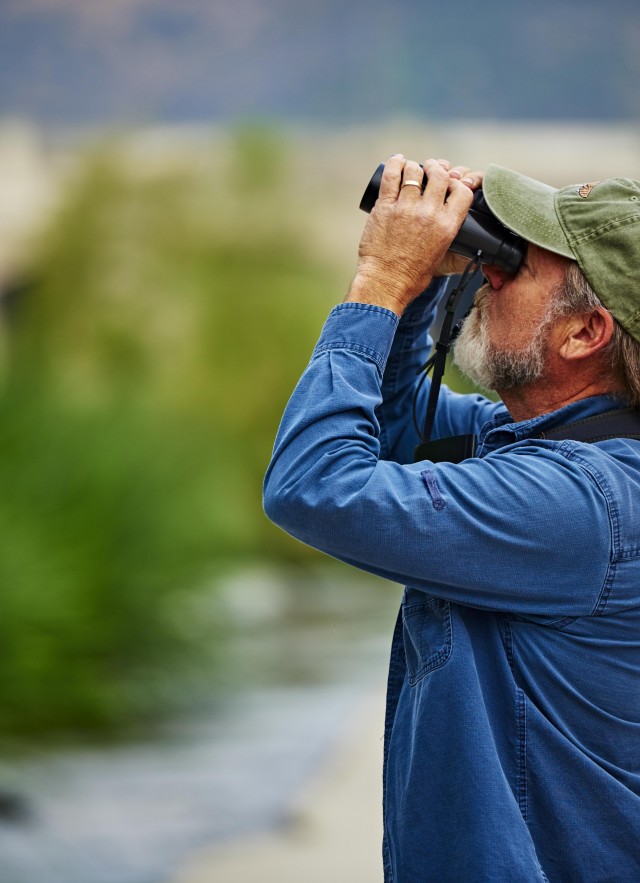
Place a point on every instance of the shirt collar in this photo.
(501, 429)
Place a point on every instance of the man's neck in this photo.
(525, 403)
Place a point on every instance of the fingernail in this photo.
(468, 180)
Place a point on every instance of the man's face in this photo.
(506, 340)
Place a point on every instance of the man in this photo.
(512, 747)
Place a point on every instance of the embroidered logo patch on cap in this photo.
(585, 189)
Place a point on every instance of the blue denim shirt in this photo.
(512, 743)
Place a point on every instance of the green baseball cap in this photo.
(595, 224)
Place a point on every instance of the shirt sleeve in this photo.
(524, 529)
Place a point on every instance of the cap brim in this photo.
(526, 207)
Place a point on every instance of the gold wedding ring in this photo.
(412, 184)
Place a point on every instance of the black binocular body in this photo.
(481, 231)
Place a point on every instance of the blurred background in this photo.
(186, 694)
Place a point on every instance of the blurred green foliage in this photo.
(143, 374)
(145, 371)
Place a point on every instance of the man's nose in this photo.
(495, 276)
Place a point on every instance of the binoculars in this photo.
(481, 231)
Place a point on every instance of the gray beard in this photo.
(491, 367)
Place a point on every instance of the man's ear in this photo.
(586, 333)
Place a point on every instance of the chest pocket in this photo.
(427, 634)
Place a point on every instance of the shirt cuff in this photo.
(360, 328)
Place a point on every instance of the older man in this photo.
(512, 747)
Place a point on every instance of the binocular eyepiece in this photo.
(480, 231)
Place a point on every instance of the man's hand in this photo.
(406, 238)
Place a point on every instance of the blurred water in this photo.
(133, 813)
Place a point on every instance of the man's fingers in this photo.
(473, 180)
(438, 182)
(459, 171)
(391, 178)
(460, 198)
(399, 172)
(412, 178)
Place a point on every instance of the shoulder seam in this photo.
(570, 450)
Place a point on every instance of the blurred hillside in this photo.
(84, 62)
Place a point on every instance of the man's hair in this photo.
(622, 353)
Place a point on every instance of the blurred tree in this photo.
(146, 370)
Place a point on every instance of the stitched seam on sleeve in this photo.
(389, 315)
(349, 346)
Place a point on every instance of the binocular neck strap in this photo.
(448, 334)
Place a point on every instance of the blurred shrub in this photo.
(146, 369)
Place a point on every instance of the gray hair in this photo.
(622, 353)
